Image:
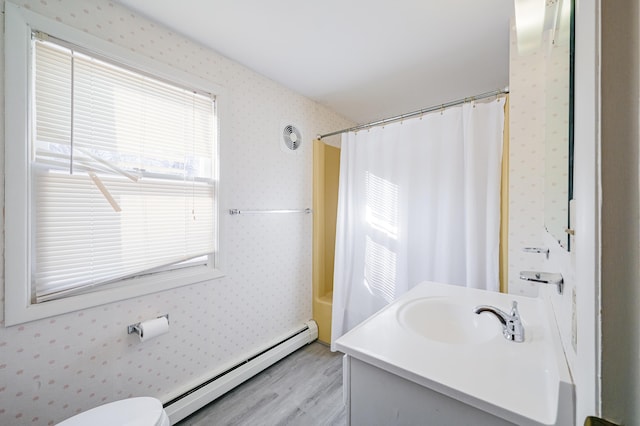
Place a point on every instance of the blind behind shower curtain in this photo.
(418, 200)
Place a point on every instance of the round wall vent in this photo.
(291, 137)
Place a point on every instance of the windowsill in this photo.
(145, 285)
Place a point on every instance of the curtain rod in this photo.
(418, 112)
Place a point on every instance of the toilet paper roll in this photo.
(153, 328)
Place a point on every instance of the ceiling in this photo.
(364, 59)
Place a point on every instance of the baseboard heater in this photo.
(198, 396)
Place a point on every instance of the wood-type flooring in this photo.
(304, 389)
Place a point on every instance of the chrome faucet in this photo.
(512, 328)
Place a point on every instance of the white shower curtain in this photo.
(418, 200)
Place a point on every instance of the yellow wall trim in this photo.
(326, 170)
(504, 205)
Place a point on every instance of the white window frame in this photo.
(19, 25)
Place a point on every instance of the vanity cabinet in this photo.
(377, 397)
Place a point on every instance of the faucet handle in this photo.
(514, 325)
(514, 310)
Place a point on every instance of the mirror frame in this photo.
(557, 208)
(572, 76)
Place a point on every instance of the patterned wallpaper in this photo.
(54, 368)
(526, 193)
(526, 165)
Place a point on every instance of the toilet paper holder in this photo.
(135, 328)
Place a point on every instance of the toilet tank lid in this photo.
(141, 411)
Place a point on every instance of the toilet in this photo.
(142, 411)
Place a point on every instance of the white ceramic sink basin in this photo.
(446, 320)
(431, 337)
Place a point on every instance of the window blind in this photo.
(123, 173)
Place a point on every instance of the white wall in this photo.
(586, 191)
(53, 368)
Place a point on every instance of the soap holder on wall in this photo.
(542, 250)
(544, 278)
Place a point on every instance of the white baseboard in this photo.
(192, 400)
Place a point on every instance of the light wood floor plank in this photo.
(305, 388)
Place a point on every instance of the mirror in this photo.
(558, 189)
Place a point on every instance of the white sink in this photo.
(447, 320)
(431, 337)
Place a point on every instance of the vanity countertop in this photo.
(527, 383)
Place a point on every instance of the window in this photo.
(120, 169)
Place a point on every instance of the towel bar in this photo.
(238, 211)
